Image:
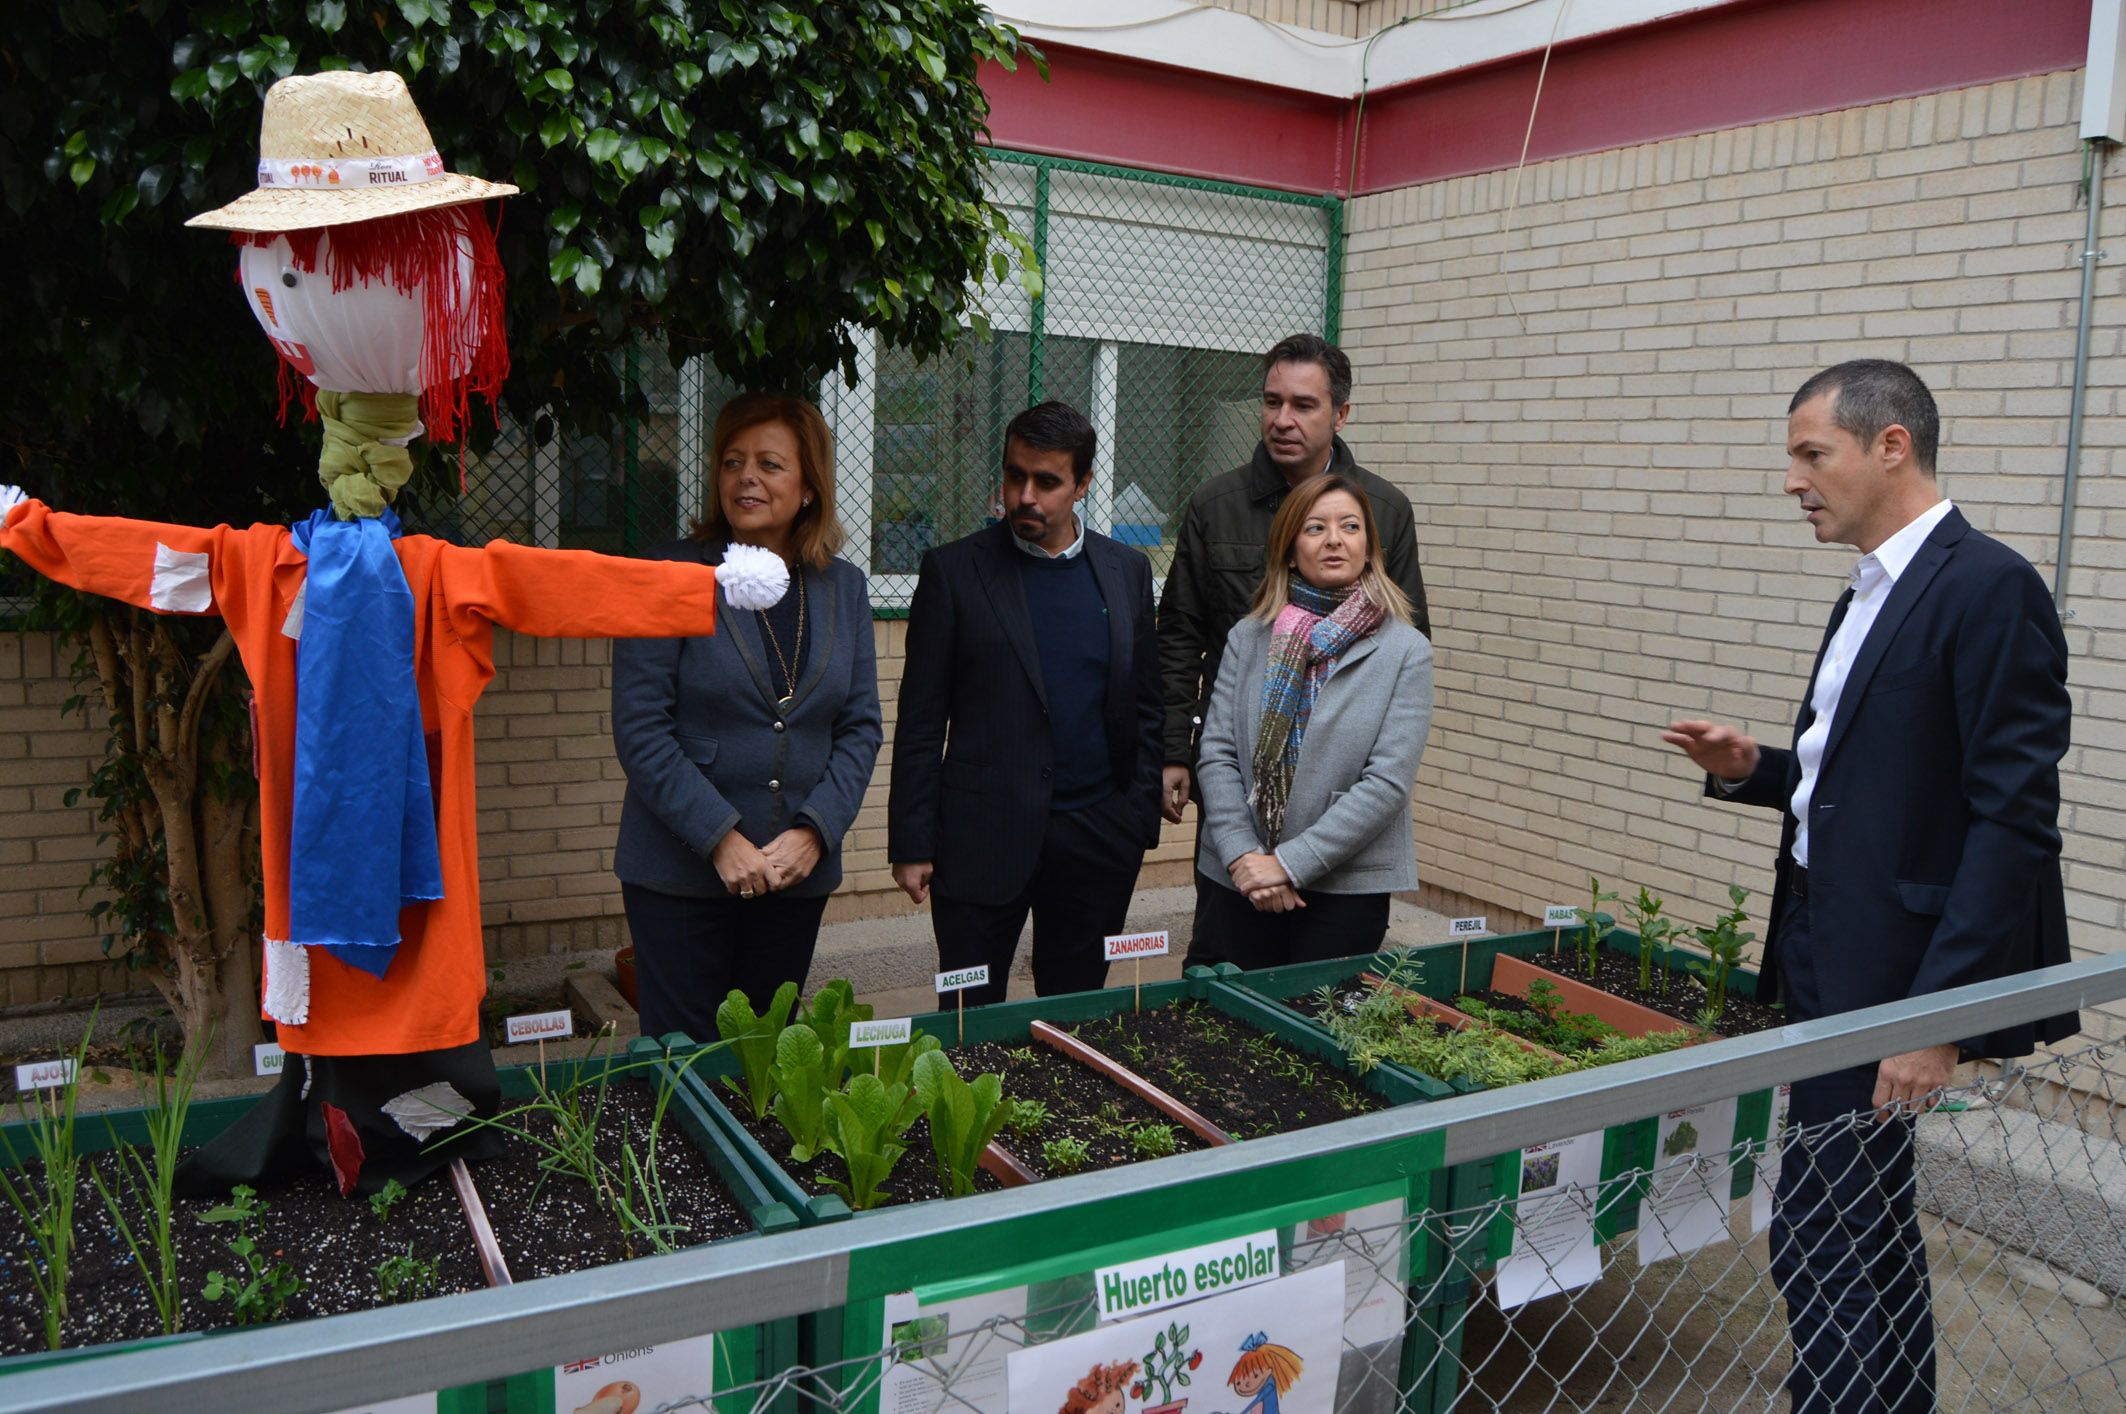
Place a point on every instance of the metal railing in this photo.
(1482, 1355)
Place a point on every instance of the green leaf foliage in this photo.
(963, 1117)
(801, 1090)
(864, 1126)
(752, 1038)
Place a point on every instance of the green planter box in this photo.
(740, 1357)
(1054, 1254)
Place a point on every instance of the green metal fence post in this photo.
(1332, 315)
(631, 467)
(1037, 327)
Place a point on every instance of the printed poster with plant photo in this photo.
(1272, 1348)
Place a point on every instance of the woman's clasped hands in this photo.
(749, 870)
(1262, 878)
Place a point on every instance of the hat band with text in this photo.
(349, 173)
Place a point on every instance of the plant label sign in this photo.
(45, 1075)
(267, 1058)
(894, 1031)
(1561, 915)
(1136, 1287)
(961, 978)
(1468, 927)
(539, 1026)
(1133, 945)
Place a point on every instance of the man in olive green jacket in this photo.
(1218, 557)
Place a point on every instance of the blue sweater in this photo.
(1070, 630)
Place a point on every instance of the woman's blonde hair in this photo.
(1276, 591)
(816, 535)
(1281, 1363)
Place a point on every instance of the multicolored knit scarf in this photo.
(1309, 634)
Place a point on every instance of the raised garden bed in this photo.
(545, 1223)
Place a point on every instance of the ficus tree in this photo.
(754, 182)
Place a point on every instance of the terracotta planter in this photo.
(1129, 1080)
(1512, 976)
(624, 975)
(483, 1232)
(1433, 1009)
(1004, 1166)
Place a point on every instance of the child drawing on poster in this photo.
(1100, 1392)
(1264, 1372)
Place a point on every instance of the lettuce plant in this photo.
(753, 1038)
(801, 1090)
(963, 1117)
(865, 1125)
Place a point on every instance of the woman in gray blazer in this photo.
(1311, 742)
(747, 751)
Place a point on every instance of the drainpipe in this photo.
(2090, 256)
(2103, 124)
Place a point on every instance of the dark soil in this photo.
(335, 1244)
(1618, 975)
(1082, 1105)
(547, 1228)
(914, 1177)
(1236, 1075)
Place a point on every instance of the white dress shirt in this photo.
(1873, 579)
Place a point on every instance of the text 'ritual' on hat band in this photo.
(349, 173)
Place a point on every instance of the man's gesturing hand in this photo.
(1716, 749)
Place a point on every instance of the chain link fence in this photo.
(2019, 1184)
(1161, 294)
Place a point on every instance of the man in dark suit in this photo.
(1921, 851)
(1026, 749)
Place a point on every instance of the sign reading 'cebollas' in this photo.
(539, 1026)
(1125, 945)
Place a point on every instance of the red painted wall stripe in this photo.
(1105, 109)
(1744, 63)
(1726, 68)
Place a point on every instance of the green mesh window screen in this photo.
(1161, 294)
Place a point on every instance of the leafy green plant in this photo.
(259, 1292)
(833, 1009)
(1027, 1116)
(1154, 1141)
(46, 1203)
(150, 1182)
(801, 1090)
(1724, 943)
(1547, 1023)
(386, 1198)
(1066, 1155)
(752, 1038)
(1654, 932)
(407, 1278)
(1595, 925)
(963, 1116)
(1624, 1048)
(865, 1125)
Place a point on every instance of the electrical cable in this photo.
(1514, 196)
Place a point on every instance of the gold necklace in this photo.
(797, 651)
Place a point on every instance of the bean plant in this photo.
(1654, 931)
(258, 1293)
(1595, 925)
(1724, 943)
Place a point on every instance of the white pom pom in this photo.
(752, 578)
(10, 497)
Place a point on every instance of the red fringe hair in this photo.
(417, 253)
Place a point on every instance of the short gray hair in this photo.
(1869, 394)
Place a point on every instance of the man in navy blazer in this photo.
(1026, 746)
(1921, 850)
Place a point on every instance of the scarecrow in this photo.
(373, 271)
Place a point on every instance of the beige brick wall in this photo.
(1593, 440)
(550, 792)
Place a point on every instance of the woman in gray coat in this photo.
(746, 752)
(1311, 743)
